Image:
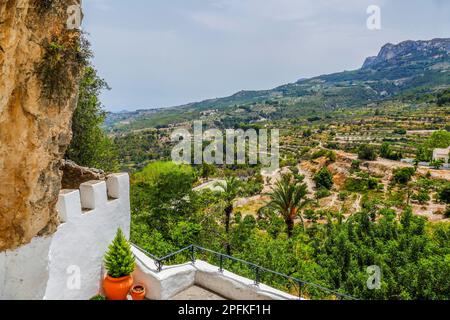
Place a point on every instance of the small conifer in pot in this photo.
(119, 263)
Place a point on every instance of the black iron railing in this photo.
(258, 270)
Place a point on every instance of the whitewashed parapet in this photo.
(93, 196)
(91, 217)
(68, 264)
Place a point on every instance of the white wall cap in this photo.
(117, 182)
(69, 204)
(93, 194)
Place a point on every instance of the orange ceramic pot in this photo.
(138, 292)
(117, 288)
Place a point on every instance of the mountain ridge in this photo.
(398, 68)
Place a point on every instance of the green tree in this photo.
(403, 175)
(437, 164)
(443, 98)
(356, 165)
(163, 186)
(367, 152)
(161, 196)
(439, 139)
(387, 152)
(323, 179)
(287, 199)
(90, 146)
(444, 193)
(230, 188)
(207, 170)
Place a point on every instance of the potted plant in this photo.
(119, 263)
(138, 292)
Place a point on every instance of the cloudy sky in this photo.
(159, 53)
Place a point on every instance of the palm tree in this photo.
(230, 188)
(287, 198)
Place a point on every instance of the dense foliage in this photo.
(90, 145)
(414, 255)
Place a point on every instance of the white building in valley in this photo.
(441, 154)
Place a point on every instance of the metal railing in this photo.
(258, 270)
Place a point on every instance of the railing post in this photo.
(192, 254)
(159, 265)
(300, 289)
(221, 263)
(257, 279)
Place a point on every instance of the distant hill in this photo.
(398, 69)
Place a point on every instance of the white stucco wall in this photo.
(24, 271)
(172, 280)
(68, 265)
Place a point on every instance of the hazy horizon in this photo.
(157, 54)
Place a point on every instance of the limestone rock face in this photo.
(34, 131)
(74, 175)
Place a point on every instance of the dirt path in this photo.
(271, 178)
(211, 184)
(357, 204)
(308, 180)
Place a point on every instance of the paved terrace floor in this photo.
(197, 293)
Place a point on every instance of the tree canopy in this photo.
(90, 146)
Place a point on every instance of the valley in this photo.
(358, 183)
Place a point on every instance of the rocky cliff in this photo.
(40, 62)
(409, 51)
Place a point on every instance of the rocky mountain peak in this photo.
(395, 52)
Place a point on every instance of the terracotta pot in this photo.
(117, 288)
(138, 292)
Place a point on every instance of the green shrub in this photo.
(119, 260)
(444, 193)
(307, 133)
(356, 165)
(422, 197)
(343, 195)
(332, 145)
(319, 154)
(443, 98)
(437, 164)
(323, 179)
(400, 131)
(331, 155)
(361, 182)
(310, 215)
(387, 152)
(372, 183)
(65, 57)
(447, 212)
(403, 175)
(98, 297)
(322, 193)
(367, 152)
